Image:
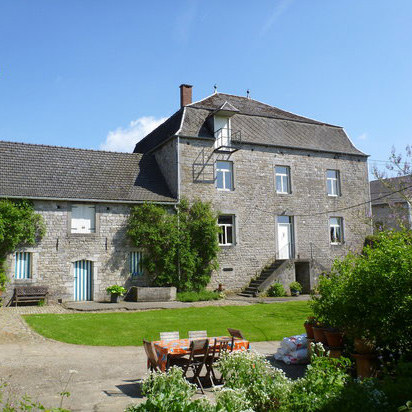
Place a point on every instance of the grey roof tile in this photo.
(383, 191)
(257, 122)
(39, 171)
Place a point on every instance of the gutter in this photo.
(63, 199)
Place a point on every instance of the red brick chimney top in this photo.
(185, 94)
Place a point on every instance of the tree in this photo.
(180, 248)
(19, 226)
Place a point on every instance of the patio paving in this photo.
(99, 378)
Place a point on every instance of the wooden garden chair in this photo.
(169, 335)
(197, 334)
(236, 333)
(220, 347)
(199, 350)
(152, 357)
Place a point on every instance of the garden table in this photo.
(180, 347)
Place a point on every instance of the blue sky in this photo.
(101, 73)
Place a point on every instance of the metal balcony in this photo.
(227, 140)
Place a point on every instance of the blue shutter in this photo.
(136, 267)
(22, 268)
(83, 280)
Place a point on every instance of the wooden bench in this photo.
(30, 294)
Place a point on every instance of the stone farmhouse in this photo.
(391, 202)
(284, 186)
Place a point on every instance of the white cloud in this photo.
(124, 139)
(363, 136)
(280, 8)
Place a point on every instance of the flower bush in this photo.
(276, 290)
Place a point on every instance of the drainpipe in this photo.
(178, 201)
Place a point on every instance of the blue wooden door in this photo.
(83, 280)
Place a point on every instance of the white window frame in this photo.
(140, 264)
(333, 227)
(334, 183)
(224, 172)
(23, 271)
(285, 177)
(225, 227)
(75, 223)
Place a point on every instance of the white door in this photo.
(284, 240)
(222, 131)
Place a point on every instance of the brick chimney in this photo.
(185, 94)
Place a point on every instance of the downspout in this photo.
(176, 207)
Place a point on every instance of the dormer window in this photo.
(222, 131)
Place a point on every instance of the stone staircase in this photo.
(253, 289)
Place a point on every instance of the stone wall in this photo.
(255, 204)
(53, 258)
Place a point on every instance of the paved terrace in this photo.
(99, 378)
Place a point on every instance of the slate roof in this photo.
(257, 122)
(388, 186)
(50, 172)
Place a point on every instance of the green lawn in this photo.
(258, 322)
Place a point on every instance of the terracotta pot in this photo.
(320, 335)
(365, 364)
(334, 338)
(363, 346)
(309, 331)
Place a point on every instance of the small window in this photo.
(83, 219)
(282, 179)
(23, 265)
(136, 264)
(336, 230)
(224, 175)
(227, 234)
(333, 182)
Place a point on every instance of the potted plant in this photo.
(310, 322)
(295, 288)
(115, 291)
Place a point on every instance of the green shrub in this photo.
(295, 286)
(180, 248)
(276, 290)
(198, 296)
(370, 295)
(265, 387)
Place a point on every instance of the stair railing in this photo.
(289, 247)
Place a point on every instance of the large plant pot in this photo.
(320, 336)
(334, 338)
(363, 346)
(114, 298)
(365, 364)
(309, 331)
(335, 353)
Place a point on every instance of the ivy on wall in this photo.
(19, 226)
(181, 245)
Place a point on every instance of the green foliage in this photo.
(265, 387)
(198, 296)
(370, 295)
(295, 286)
(170, 392)
(19, 226)
(324, 380)
(180, 248)
(276, 290)
(116, 290)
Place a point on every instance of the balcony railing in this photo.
(227, 140)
